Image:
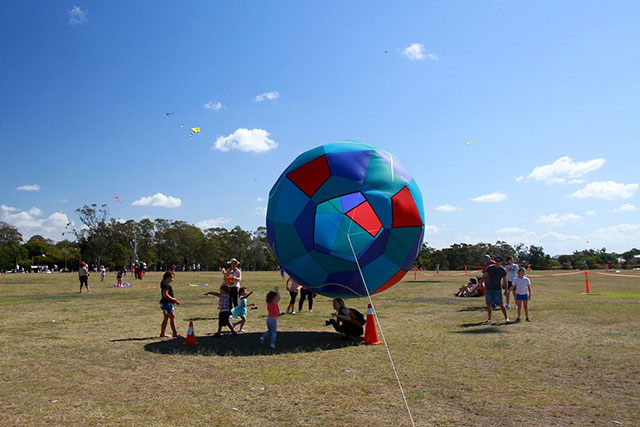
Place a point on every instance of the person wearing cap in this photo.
(234, 277)
(495, 278)
(83, 275)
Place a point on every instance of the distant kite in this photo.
(194, 131)
(468, 142)
(169, 114)
(117, 198)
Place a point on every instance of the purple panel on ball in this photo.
(304, 225)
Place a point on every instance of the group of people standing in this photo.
(232, 304)
(505, 280)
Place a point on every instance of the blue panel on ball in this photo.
(349, 164)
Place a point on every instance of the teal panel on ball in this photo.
(381, 177)
(359, 237)
(289, 245)
(331, 263)
(378, 272)
(381, 204)
(307, 268)
(401, 241)
(335, 186)
(296, 201)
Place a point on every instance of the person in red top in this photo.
(273, 312)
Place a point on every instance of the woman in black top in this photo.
(166, 304)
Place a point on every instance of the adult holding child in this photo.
(233, 277)
(83, 275)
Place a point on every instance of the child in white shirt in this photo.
(523, 293)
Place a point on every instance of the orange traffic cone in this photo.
(191, 336)
(371, 332)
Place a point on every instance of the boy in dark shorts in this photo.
(224, 308)
(495, 278)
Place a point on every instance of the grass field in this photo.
(101, 362)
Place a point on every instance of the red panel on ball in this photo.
(310, 176)
(405, 211)
(365, 217)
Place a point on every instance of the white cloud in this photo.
(591, 213)
(490, 198)
(77, 16)
(32, 187)
(416, 52)
(260, 199)
(212, 222)
(28, 224)
(511, 230)
(563, 168)
(7, 208)
(159, 199)
(213, 106)
(267, 95)
(556, 220)
(256, 140)
(626, 207)
(606, 190)
(519, 178)
(446, 208)
(432, 229)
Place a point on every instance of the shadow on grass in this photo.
(134, 339)
(476, 308)
(482, 331)
(247, 344)
(426, 281)
(200, 318)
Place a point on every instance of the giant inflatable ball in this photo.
(345, 220)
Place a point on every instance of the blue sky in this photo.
(547, 94)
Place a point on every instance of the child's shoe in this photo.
(242, 330)
(272, 345)
(293, 312)
(528, 320)
(261, 340)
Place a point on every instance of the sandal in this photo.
(487, 322)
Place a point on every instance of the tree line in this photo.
(162, 243)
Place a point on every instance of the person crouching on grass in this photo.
(166, 304)
(273, 312)
(345, 321)
(224, 311)
(523, 293)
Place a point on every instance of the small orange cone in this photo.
(191, 336)
(371, 332)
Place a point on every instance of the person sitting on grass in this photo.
(479, 290)
(465, 290)
(166, 304)
(224, 311)
(346, 321)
